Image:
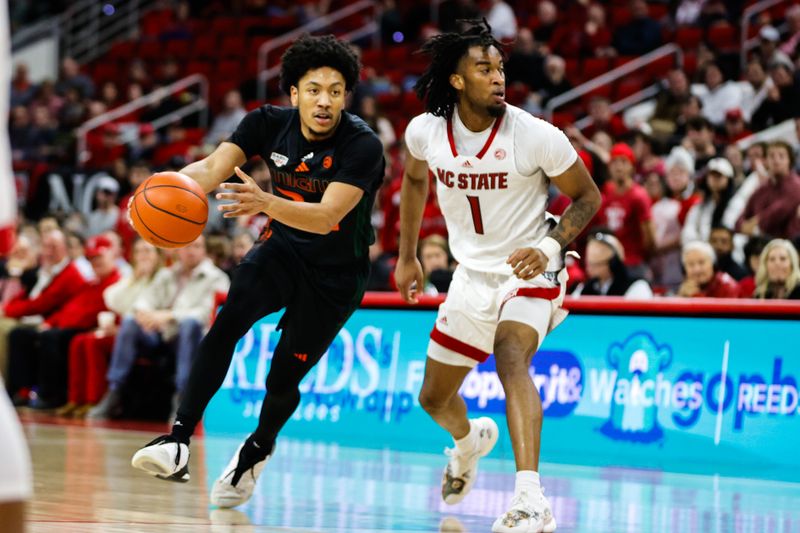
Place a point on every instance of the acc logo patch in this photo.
(499, 154)
(327, 162)
(279, 159)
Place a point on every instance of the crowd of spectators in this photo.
(692, 206)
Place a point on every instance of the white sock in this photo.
(467, 443)
(527, 481)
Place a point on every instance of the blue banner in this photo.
(671, 392)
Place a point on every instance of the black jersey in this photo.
(301, 171)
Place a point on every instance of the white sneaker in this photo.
(462, 469)
(235, 487)
(164, 458)
(529, 513)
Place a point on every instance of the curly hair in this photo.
(446, 50)
(309, 53)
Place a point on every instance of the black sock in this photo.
(254, 451)
(182, 430)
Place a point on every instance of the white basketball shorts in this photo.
(477, 302)
(15, 463)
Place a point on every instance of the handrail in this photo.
(616, 107)
(143, 101)
(612, 75)
(264, 50)
(747, 14)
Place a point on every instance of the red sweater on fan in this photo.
(62, 288)
(81, 311)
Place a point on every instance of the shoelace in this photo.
(167, 439)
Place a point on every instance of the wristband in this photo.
(549, 246)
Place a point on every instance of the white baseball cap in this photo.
(721, 165)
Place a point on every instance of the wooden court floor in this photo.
(84, 483)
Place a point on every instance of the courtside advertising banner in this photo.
(668, 392)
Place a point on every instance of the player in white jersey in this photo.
(16, 486)
(492, 164)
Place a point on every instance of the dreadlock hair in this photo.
(309, 53)
(446, 50)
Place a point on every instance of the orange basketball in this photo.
(169, 210)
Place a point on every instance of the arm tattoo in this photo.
(574, 219)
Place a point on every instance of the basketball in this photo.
(169, 210)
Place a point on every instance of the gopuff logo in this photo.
(557, 375)
(638, 361)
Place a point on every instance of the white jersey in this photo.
(491, 185)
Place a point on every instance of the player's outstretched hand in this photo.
(248, 198)
(409, 278)
(527, 262)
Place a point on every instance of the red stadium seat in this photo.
(688, 38)
(396, 56)
(106, 71)
(205, 46)
(199, 66)
(150, 50)
(224, 25)
(233, 46)
(723, 36)
(372, 57)
(122, 50)
(628, 86)
(595, 66)
(228, 69)
(178, 48)
(660, 67)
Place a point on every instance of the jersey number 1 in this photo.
(477, 219)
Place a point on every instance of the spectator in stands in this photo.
(220, 251)
(679, 166)
(46, 96)
(646, 158)
(736, 158)
(555, 81)
(452, 11)
(768, 39)
(71, 78)
(606, 271)
(169, 72)
(502, 20)
(123, 266)
(756, 89)
(109, 95)
(717, 94)
(641, 35)
(76, 250)
(778, 275)
(721, 240)
(138, 76)
(227, 119)
(241, 245)
(752, 256)
(593, 41)
(434, 255)
(702, 277)
(175, 309)
(106, 214)
(772, 209)
(735, 127)
(73, 111)
(525, 64)
(717, 189)
(792, 36)
(38, 357)
(603, 119)
(626, 210)
(381, 125)
(665, 262)
(89, 352)
(671, 98)
(18, 271)
(22, 88)
(783, 98)
(757, 175)
(699, 141)
(546, 26)
(179, 26)
(57, 281)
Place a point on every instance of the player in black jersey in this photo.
(311, 259)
